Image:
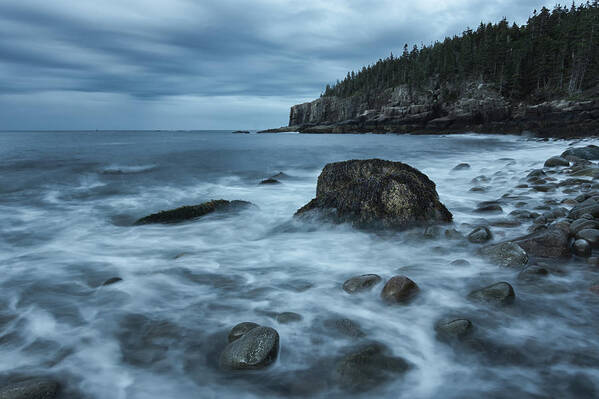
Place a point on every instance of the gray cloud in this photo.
(224, 63)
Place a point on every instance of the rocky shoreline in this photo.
(473, 107)
(377, 194)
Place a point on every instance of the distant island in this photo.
(541, 77)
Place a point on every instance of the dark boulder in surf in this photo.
(376, 193)
(185, 213)
(30, 389)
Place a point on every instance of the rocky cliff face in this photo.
(444, 109)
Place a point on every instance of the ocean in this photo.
(68, 202)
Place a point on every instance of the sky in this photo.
(203, 64)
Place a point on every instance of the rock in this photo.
(456, 329)
(240, 329)
(548, 243)
(590, 152)
(361, 283)
(533, 272)
(537, 173)
(496, 294)
(367, 367)
(581, 224)
(30, 389)
(479, 235)
(478, 189)
(524, 214)
(242, 131)
(453, 234)
(399, 289)
(460, 262)
(288, 317)
(589, 235)
(112, 280)
(582, 209)
(374, 192)
(270, 180)
(556, 161)
(462, 166)
(507, 254)
(256, 349)
(346, 327)
(191, 212)
(582, 248)
(488, 206)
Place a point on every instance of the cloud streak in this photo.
(147, 55)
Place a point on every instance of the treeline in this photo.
(556, 53)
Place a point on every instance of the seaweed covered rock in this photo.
(376, 193)
(184, 213)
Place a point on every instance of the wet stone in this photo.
(488, 207)
(345, 327)
(368, 367)
(507, 254)
(456, 329)
(479, 235)
(582, 248)
(112, 280)
(462, 166)
(589, 235)
(256, 349)
(240, 329)
(270, 181)
(556, 161)
(496, 294)
(361, 283)
(460, 262)
(288, 317)
(399, 289)
(30, 389)
(533, 272)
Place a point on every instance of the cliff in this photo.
(473, 106)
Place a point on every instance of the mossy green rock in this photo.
(185, 213)
(376, 193)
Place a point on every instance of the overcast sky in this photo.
(203, 64)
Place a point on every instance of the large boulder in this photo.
(256, 349)
(376, 193)
(184, 213)
(550, 243)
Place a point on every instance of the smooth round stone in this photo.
(582, 248)
(256, 349)
(361, 283)
(240, 329)
(480, 235)
(461, 166)
(582, 224)
(460, 262)
(556, 161)
(489, 208)
(496, 294)
(533, 272)
(288, 317)
(399, 289)
(454, 329)
(590, 235)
